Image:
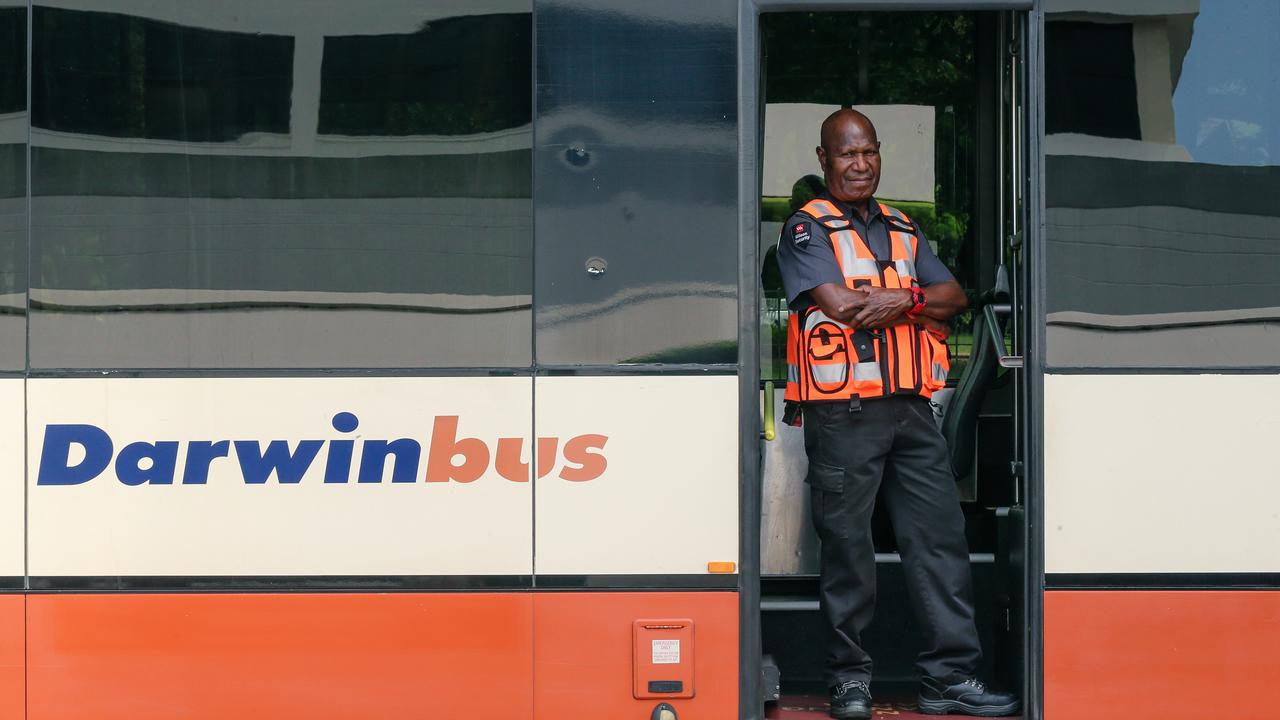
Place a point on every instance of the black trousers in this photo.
(848, 454)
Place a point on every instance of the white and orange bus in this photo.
(423, 358)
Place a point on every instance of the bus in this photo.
(425, 358)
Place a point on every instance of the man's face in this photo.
(851, 162)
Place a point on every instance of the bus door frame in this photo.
(750, 155)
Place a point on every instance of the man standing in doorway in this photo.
(869, 303)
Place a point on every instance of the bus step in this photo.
(814, 707)
(974, 558)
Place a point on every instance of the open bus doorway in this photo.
(945, 91)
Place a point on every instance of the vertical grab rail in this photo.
(770, 429)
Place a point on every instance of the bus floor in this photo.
(814, 707)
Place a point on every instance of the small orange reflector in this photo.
(721, 567)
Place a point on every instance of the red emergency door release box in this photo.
(663, 664)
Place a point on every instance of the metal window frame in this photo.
(750, 154)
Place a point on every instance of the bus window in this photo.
(211, 191)
(636, 187)
(13, 188)
(1161, 184)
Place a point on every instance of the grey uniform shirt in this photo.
(807, 259)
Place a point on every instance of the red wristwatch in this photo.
(918, 300)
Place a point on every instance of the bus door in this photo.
(946, 91)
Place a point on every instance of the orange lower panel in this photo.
(583, 653)
(1161, 654)
(312, 656)
(12, 667)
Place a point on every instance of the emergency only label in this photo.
(666, 652)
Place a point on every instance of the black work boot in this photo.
(851, 700)
(970, 697)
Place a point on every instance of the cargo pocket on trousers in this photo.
(825, 477)
(827, 502)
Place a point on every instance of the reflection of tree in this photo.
(883, 59)
(1245, 143)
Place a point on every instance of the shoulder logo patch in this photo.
(800, 233)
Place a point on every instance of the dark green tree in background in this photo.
(889, 59)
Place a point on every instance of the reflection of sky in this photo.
(1227, 102)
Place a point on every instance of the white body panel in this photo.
(1162, 473)
(668, 501)
(12, 510)
(103, 527)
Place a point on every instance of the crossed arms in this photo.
(872, 307)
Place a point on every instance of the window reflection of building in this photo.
(117, 75)
(1164, 237)
(637, 121)
(260, 185)
(13, 186)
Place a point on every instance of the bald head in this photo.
(850, 157)
(843, 121)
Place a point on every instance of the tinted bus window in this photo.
(1095, 92)
(1164, 245)
(126, 76)
(13, 188)
(13, 60)
(339, 197)
(455, 76)
(637, 183)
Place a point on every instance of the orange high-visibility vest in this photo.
(828, 360)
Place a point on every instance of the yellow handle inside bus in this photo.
(769, 431)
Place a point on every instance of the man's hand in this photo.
(853, 303)
(839, 302)
(883, 307)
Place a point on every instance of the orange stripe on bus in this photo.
(1160, 654)
(316, 656)
(12, 660)
(305, 656)
(583, 653)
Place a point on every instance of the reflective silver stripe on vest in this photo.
(793, 373)
(830, 374)
(905, 268)
(868, 371)
(843, 242)
(862, 267)
(939, 373)
(905, 241)
(817, 316)
(850, 263)
(836, 223)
